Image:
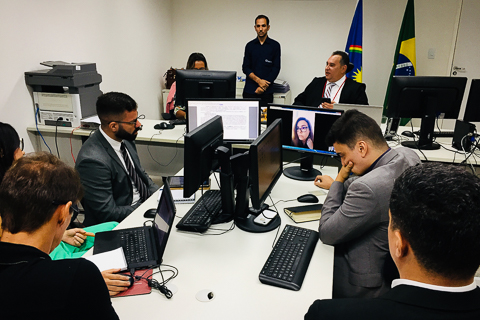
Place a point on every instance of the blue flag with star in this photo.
(354, 43)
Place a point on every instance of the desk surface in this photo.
(148, 133)
(228, 265)
(446, 154)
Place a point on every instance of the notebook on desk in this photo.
(143, 246)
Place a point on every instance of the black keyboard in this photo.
(201, 214)
(178, 121)
(288, 262)
(134, 245)
(439, 134)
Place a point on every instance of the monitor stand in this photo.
(425, 140)
(305, 172)
(247, 224)
(244, 215)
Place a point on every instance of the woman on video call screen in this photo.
(302, 133)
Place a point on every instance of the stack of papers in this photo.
(280, 86)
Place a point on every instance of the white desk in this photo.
(229, 265)
(446, 153)
(160, 151)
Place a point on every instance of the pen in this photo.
(89, 234)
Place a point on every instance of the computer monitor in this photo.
(472, 108)
(204, 84)
(427, 98)
(199, 154)
(241, 117)
(264, 163)
(304, 130)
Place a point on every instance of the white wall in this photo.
(309, 31)
(126, 39)
(134, 42)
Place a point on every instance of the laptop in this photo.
(143, 246)
(374, 112)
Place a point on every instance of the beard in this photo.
(124, 135)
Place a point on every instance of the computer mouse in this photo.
(164, 126)
(130, 278)
(409, 134)
(310, 198)
(150, 213)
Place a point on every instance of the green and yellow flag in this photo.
(404, 59)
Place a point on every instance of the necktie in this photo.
(329, 89)
(137, 181)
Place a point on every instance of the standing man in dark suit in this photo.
(434, 239)
(335, 85)
(114, 181)
(355, 212)
(261, 63)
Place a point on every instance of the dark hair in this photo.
(262, 16)
(295, 133)
(345, 59)
(196, 56)
(353, 126)
(436, 208)
(9, 142)
(30, 187)
(112, 105)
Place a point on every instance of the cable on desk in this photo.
(36, 125)
(278, 228)
(71, 147)
(161, 286)
(56, 134)
(414, 140)
(174, 156)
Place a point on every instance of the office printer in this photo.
(65, 93)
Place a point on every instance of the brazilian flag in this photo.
(354, 43)
(404, 59)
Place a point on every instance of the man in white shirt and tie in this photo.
(334, 86)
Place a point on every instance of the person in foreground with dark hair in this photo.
(11, 149)
(38, 195)
(261, 63)
(434, 239)
(114, 181)
(335, 85)
(355, 212)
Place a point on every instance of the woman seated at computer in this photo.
(302, 134)
(195, 61)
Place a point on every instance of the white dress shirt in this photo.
(116, 146)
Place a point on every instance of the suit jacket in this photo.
(355, 220)
(352, 93)
(401, 302)
(108, 187)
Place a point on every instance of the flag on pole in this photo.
(354, 43)
(404, 60)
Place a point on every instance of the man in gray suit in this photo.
(355, 212)
(434, 239)
(115, 183)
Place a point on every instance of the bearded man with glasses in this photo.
(114, 181)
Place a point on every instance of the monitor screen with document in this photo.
(241, 117)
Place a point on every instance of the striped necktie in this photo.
(329, 89)
(137, 181)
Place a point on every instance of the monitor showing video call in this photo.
(304, 128)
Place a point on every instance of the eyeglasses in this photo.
(134, 122)
(73, 207)
(302, 128)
